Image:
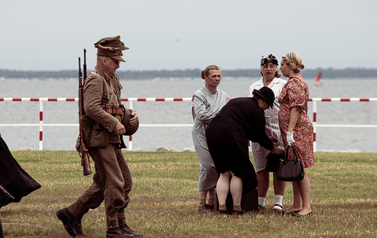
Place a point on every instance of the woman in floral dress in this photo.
(296, 128)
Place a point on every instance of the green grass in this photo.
(164, 199)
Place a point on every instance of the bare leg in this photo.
(279, 186)
(304, 189)
(296, 199)
(236, 186)
(223, 189)
(263, 183)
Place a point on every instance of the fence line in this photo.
(131, 100)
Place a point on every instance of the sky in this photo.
(188, 34)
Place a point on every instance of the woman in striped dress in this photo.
(207, 103)
(271, 78)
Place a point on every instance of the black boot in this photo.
(126, 230)
(78, 227)
(117, 233)
(68, 221)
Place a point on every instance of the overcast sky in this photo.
(186, 34)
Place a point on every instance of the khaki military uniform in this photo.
(112, 180)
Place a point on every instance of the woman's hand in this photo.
(277, 151)
(290, 139)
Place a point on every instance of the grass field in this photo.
(164, 199)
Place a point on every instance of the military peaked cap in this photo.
(111, 47)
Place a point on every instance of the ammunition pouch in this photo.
(114, 109)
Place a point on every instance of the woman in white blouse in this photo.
(271, 78)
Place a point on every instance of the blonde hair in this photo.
(205, 72)
(294, 61)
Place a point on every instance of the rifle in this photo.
(85, 163)
(6, 192)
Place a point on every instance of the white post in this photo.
(314, 125)
(40, 125)
(130, 105)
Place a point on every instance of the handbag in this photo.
(273, 161)
(290, 170)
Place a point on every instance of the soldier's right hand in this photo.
(120, 129)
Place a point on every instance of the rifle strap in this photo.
(109, 97)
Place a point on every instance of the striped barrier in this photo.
(131, 100)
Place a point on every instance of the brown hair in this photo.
(205, 72)
(294, 61)
(256, 96)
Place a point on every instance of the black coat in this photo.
(241, 119)
(13, 178)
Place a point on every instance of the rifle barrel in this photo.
(84, 67)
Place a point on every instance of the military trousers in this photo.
(112, 183)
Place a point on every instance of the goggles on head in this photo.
(268, 58)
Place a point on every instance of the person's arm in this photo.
(201, 112)
(293, 118)
(93, 90)
(259, 131)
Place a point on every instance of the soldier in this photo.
(103, 129)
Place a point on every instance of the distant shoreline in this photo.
(190, 73)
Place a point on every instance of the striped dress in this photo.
(272, 122)
(206, 105)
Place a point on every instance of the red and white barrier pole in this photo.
(131, 100)
(40, 125)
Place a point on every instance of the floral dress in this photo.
(295, 93)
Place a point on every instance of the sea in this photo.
(359, 139)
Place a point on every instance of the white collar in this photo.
(274, 81)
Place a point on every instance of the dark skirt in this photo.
(14, 180)
(227, 144)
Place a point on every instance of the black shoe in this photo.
(291, 212)
(206, 207)
(223, 212)
(235, 212)
(68, 221)
(203, 208)
(210, 207)
(299, 215)
(78, 227)
(126, 230)
(117, 233)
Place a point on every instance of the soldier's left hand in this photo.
(134, 118)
